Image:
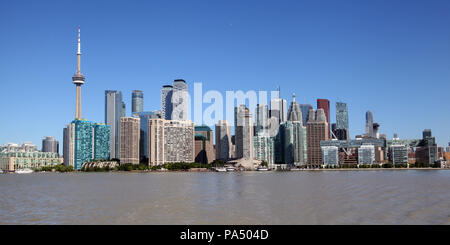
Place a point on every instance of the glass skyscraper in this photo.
(143, 140)
(114, 110)
(83, 142)
(137, 105)
(341, 115)
(101, 141)
(304, 108)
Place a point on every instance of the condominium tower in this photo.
(129, 139)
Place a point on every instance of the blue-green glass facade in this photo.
(83, 142)
(102, 134)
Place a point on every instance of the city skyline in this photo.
(97, 81)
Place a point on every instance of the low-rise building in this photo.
(12, 161)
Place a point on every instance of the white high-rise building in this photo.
(278, 109)
(170, 141)
(366, 154)
(223, 141)
(330, 155)
(244, 132)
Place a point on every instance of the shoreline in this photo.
(209, 171)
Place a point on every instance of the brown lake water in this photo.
(316, 197)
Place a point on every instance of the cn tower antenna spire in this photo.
(78, 80)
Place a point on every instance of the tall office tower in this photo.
(170, 141)
(278, 109)
(448, 148)
(69, 144)
(244, 132)
(293, 135)
(317, 130)
(325, 105)
(102, 148)
(50, 144)
(78, 80)
(113, 113)
(264, 149)
(78, 143)
(369, 124)
(366, 154)
(166, 102)
(129, 139)
(204, 146)
(427, 152)
(293, 143)
(223, 141)
(295, 114)
(330, 155)
(304, 108)
(137, 104)
(341, 130)
(143, 140)
(179, 100)
(262, 119)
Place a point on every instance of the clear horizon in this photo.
(389, 57)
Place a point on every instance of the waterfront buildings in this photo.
(78, 143)
(325, 105)
(224, 147)
(366, 154)
(101, 139)
(14, 160)
(264, 149)
(244, 132)
(427, 150)
(278, 109)
(317, 131)
(137, 102)
(330, 155)
(143, 144)
(293, 137)
(129, 140)
(114, 110)
(398, 154)
(170, 141)
(50, 144)
(204, 146)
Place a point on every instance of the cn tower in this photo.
(78, 80)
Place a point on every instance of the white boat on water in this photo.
(221, 169)
(230, 169)
(262, 168)
(24, 171)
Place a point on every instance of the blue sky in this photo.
(392, 57)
